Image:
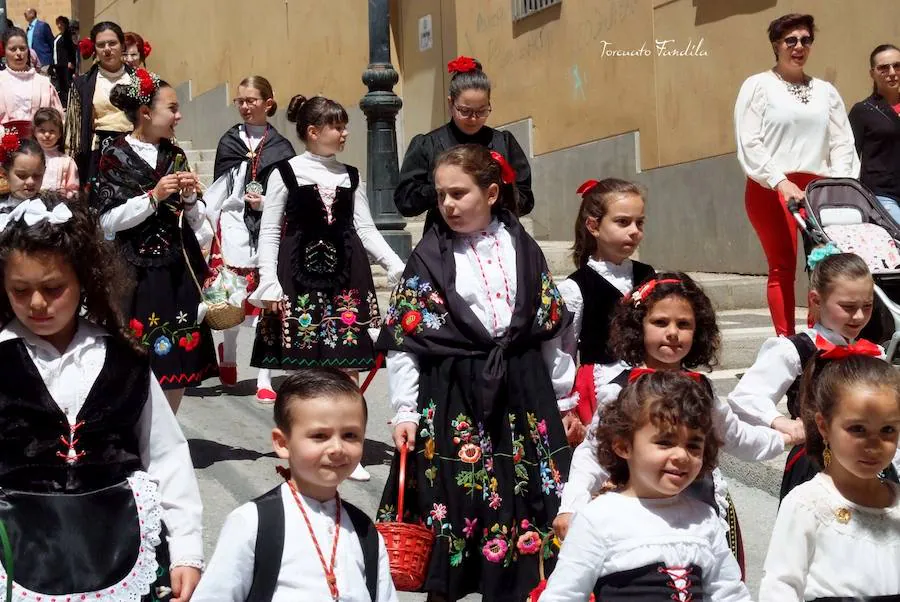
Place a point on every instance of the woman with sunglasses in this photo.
(876, 128)
(470, 104)
(791, 128)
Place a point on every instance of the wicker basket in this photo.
(408, 545)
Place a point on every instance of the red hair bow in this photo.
(636, 373)
(86, 48)
(830, 351)
(147, 49)
(640, 295)
(8, 143)
(462, 64)
(507, 173)
(586, 187)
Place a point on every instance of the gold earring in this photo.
(826, 455)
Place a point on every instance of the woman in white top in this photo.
(791, 128)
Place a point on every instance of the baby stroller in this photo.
(843, 211)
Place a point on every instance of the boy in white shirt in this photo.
(316, 546)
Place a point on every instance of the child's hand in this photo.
(188, 183)
(405, 432)
(254, 200)
(561, 524)
(793, 428)
(575, 431)
(166, 187)
(184, 582)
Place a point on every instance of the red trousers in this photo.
(777, 232)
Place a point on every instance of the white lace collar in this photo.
(140, 144)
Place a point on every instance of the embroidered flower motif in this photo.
(137, 328)
(469, 453)
(411, 321)
(429, 449)
(529, 543)
(162, 346)
(542, 427)
(470, 528)
(348, 317)
(525, 524)
(190, 341)
(495, 550)
(153, 319)
(305, 319)
(438, 511)
(181, 318)
(495, 501)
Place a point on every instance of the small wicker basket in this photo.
(408, 545)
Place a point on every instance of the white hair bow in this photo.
(34, 211)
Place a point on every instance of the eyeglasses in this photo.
(885, 69)
(805, 41)
(467, 113)
(250, 102)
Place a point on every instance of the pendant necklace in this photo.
(801, 92)
(327, 568)
(254, 187)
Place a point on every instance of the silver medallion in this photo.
(254, 187)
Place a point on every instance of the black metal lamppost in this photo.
(380, 106)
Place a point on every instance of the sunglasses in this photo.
(885, 69)
(792, 41)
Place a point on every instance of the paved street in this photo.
(229, 431)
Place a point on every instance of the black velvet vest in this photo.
(651, 583)
(600, 298)
(35, 434)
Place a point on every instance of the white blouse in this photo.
(136, 210)
(327, 173)
(69, 377)
(230, 572)
(824, 545)
(617, 533)
(486, 278)
(748, 442)
(777, 134)
(226, 207)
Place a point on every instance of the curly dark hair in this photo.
(665, 399)
(97, 265)
(825, 381)
(626, 335)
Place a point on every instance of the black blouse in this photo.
(415, 194)
(876, 128)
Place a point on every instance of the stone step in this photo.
(186, 145)
(195, 156)
(203, 167)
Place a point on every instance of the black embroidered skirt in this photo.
(488, 486)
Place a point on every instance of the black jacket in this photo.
(876, 128)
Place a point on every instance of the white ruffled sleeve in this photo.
(571, 295)
(842, 157)
(129, 214)
(562, 369)
(790, 549)
(723, 578)
(372, 239)
(748, 442)
(403, 386)
(776, 368)
(580, 561)
(749, 112)
(270, 240)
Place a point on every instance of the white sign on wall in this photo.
(426, 40)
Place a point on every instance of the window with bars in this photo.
(524, 8)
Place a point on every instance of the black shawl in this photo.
(428, 317)
(232, 151)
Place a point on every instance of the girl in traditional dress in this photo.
(148, 202)
(837, 536)
(96, 478)
(22, 90)
(478, 384)
(92, 121)
(23, 166)
(246, 155)
(608, 230)
(61, 173)
(469, 101)
(648, 539)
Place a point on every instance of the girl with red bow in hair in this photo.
(469, 102)
(608, 230)
(841, 293)
(23, 164)
(667, 324)
(478, 383)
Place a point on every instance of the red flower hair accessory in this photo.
(147, 48)
(86, 48)
(9, 143)
(507, 173)
(586, 187)
(143, 85)
(462, 64)
(641, 294)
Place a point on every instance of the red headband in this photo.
(830, 351)
(8, 143)
(507, 173)
(636, 373)
(86, 48)
(462, 64)
(640, 295)
(586, 187)
(147, 48)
